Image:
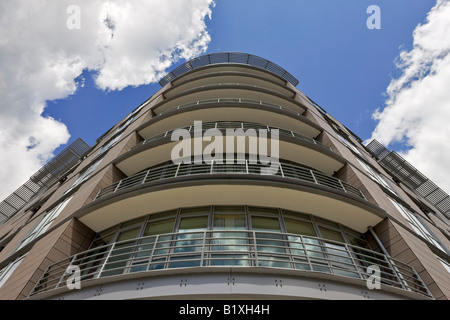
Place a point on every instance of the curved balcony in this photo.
(229, 90)
(285, 170)
(226, 59)
(217, 77)
(292, 146)
(171, 186)
(229, 110)
(224, 125)
(207, 251)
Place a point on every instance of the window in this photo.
(125, 124)
(350, 145)
(7, 271)
(111, 143)
(417, 225)
(84, 176)
(44, 223)
(377, 177)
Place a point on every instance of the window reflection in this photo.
(227, 236)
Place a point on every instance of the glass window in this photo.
(121, 255)
(84, 175)
(44, 223)
(189, 224)
(377, 177)
(229, 220)
(326, 222)
(159, 227)
(299, 227)
(189, 240)
(349, 145)
(7, 271)
(265, 224)
(331, 234)
(417, 225)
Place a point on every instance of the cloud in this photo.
(417, 108)
(127, 43)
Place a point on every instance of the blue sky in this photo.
(341, 64)
(79, 83)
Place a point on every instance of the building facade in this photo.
(123, 220)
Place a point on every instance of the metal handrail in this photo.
(245, 248)
(228, 57)
(230, 100)
(223, 125)
(286, 170)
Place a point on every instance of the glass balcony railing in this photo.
(285, 170)
(240, 248)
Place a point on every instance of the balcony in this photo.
(286, 170)
(293, 146)
(239, 249)
(168, 186)
(223, 125)
(217, 77)
(220, 59)
(229, 90)
(229, 110)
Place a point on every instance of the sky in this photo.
(74, 68)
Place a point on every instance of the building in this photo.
(122, 220)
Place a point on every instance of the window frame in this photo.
(377, 177)
(43, 224)
(418, 226)
(7, 271)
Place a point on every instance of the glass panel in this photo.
(229, 260)
(295, 215)
(331, 234)
(338, 255)
(188, 240)
(159, 227)
(268, 242)
(299, 227)
(228, 240)
(128, 234)
(313, 248)
(185, 261)
(357, 241)
(326, 222)
(274, 261)
(265, 224)
(229, 209)
(102, 241)
(132, 222)
(121, 253)
(188, 224)
(229, 222)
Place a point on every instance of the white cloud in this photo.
(126, 42)
(417, 110)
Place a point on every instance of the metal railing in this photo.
(223, 125)
(244, 248)
(234, 101)
(285, 170)
(228, 57)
